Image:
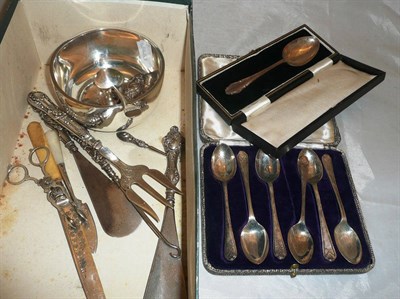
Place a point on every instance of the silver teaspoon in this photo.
(268, 170)
(346, 238)
(223, 165)
(296, 53)
(300, 241)
(314, 175)
(254, 237)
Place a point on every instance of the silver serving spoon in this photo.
(296, 53)
(107, 78)
(346, 238)
(254, 237)
(314, 175)
(268, 169)
(223, 165)
(300, 241)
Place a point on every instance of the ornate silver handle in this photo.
(243, 162)
(41, 102)
(328, 250)
(230, 249)
(172, 146)
(327, 161)
(279, 244)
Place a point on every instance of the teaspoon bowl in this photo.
(301, 244)
(254, 241)
(348, 243)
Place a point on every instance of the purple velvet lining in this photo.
(288, 200)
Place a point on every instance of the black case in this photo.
(237, 110)
(213, 130)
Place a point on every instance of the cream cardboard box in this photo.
(34, 257)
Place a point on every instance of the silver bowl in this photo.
(75, 63)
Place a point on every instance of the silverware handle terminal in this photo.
(230, 249)
(303, 171)
(327, 161)
(279, 244)
(243, 162)
(328, 250)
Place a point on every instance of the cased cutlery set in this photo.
(254, 238)
(291, 206)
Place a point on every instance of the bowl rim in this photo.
(57, 87)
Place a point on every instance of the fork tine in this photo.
(162, 179)
(150, 190)
(138, 202)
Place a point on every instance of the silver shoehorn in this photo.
(166, 278)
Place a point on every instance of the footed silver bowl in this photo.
(75, 64)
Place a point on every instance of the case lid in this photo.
(214, 129)
(7, 8)
(271, 85)
(282, 108)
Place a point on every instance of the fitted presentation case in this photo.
(287, 188)
(303, 97)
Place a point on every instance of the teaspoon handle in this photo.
(328, 250)
(243, 161)
(279, 245)
(303, 165)
(230, 249)
(327, 161)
